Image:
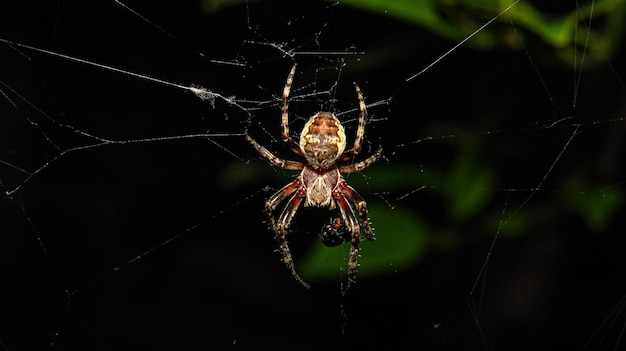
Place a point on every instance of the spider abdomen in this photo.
(319, 186)
(323, 140)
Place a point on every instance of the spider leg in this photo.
(285, 114)
(356, 167)
(351, 222)
(361, 206)
(280, 227)
(286, 164)
(278, 197)
(360, 132)
(281, 231)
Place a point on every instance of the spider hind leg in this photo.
(280, 227)
(355, 231)
(288, 259)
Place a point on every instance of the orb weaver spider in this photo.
(322, 143)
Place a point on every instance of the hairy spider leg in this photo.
(279, 162)
(280, 226)
(285, 114)
(360, 132)
(279, 196)
(357, 167)
(351, 222)
(361, 206)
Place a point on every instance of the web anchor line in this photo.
(201, 92)
(445, 54)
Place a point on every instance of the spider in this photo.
(322, 143)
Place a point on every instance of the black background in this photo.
(150, 245)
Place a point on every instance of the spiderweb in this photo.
(132, 206)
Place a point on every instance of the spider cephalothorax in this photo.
(322, 144)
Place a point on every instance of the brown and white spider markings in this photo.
(322, 143)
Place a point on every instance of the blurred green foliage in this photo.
(565, 32)
(402, 244)
(597, 207)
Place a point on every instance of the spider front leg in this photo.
(357, 167)
(360, 132)
(286, 164)
(284, 125)
(281, 226)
